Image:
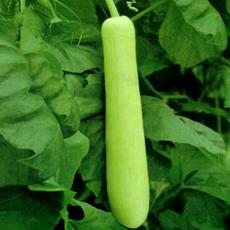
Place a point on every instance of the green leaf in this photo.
(228, 5)
(214, 181)
(48, 82)
(12, 64)
(77, 21)
(49, 185)
(150, 58)
(76, 148)
(161, 124)
(212, 141)
(203, 211)
(32, 32)
(8, 7)
(92, 167)
(12, 171)
(25, 120)
(51, 78)
(94, 219)
(76, 58)
(171, 220)
(202, 107)
(192, 31)
(186, 160)
(200, 212)
(158, 167)
(22, 209)
(89, 93)
(8, 30)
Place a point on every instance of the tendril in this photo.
(130, 5)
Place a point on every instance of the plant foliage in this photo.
(52, 146)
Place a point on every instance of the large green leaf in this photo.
(24, 210)
(200, 212)
(92, 168)
(48, 82)
(89, 92)
(32, 32)
(8, 7)
(8, 30)
(76, 148)
(94, 219)
(77, 21)
(171, 220)
(186, 160)
(201, 107)
(192, 31)
(25, 120)
(150, 57)
(214, 181)
(76, 58)
(12, 171)
(203, 211)
(161, 124)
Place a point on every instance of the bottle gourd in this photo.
(126, 163)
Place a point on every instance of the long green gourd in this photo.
(126, 164)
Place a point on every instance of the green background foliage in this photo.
(52, 148)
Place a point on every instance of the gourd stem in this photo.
(22, 4)
(112, 8)
(148, 10)
(218, 116)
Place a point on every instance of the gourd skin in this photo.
(126, 163)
